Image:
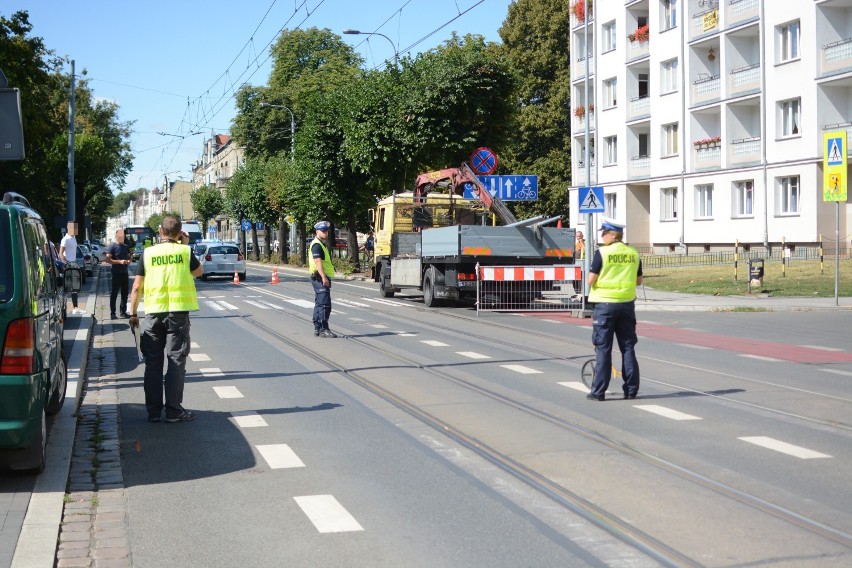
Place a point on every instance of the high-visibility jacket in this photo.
(327, 266)
(617, 280)
(169, 284)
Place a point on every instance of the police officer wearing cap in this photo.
(613, 276)
(164, 273)
(321, 272)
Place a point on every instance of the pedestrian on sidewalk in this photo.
(322, 270)
(615, 272)
(165, 273)
(118, 257)
(68, 252)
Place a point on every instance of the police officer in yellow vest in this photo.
(164, 273)
(613, 276)
(321, 272)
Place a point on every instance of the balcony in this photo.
(704, 23)
(836, 56)
(707, 157)
(640, 107)
(744, 80)
(579, 70)
(706, 89)
(578, 123)
(637, 49)
(739, 11)
(580, 176)
(744, 151)
(640, 167)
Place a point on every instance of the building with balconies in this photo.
(708, 118)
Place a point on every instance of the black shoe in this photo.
(154, 418)
(629, 396)
(125, 315)
(184, 416)
(327, 333)
(594, 397)
(317, 332)
(112, 316)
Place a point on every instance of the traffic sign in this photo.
(508, 188)
(246, 225)
(483, 161)
(834, 167)
(591, 199)
(259, 225)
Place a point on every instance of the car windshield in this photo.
(6, 281)
(224, 250)
(200, 249)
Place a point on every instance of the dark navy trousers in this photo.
(322, 304)
(618, 319)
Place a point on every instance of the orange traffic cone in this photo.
(274, 276)
(236, 277)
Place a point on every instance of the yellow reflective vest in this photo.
(169, 284)
(617, 280)
(327, 266)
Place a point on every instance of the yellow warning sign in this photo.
(834, 166)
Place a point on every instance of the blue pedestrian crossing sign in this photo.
(508, 188)
(834, 151)
(591, 199)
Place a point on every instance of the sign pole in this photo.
(836, 252)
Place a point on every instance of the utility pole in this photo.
(72, 197)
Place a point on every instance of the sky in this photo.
(173, 66)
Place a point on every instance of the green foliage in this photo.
(207, 202)
(120, 202)
(155, 220)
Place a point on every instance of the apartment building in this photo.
(219, 161)
(706, 119)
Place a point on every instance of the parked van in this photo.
(33, 371)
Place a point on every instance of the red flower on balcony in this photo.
(640, 35)
(578, 9)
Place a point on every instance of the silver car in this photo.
(89, 261)
(222, 260)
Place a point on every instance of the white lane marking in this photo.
(434, 343)
(215, 306)
(327, 514)
(357, 319)
(665, 412)
(387, 302)
(215, 297)
(199, 357)
(257, 304)
(378, 326)
(838, 372)
(783, 447)
(248, 419)
(693, 346)
(521, 369)
(229, 306)
(472, 355)
(353, 303)
(551, 321)
(577, 385)
(760, 358)
(337, 312)
(405, 334)
(279, 456)
(193, 345)
(822, 347)
(228, 392)
(271, 305)
(212, 372)
(301, 303)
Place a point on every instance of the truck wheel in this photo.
(57, 399)
(384, 282)
(429, 287)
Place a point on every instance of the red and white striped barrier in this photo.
(530, 273)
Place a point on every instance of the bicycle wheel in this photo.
(587, 373)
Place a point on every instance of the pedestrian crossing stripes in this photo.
(248, 419)
(279, 456)
(327, 514)
(666, 412)
(228, 392)
(783, 447)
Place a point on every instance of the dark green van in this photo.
(33, 373)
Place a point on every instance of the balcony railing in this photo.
(744, 79)
(637, 49)
(741, 11)
(579, 122)
(708, 157)
(640, 167)
(639, 107)
(580, 66)
(706, 89)
(744, 151)
(580, 176)
(704, 23)
(836, 55)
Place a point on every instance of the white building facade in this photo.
(706, 119)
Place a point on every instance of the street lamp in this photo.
(393, 45)
(292, 127)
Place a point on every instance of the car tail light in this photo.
(208, 257)
(18, 357)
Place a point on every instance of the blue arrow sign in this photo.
(591, 199)
(508, 188)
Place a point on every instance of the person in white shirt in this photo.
(68, 252)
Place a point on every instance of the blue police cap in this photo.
(322, 226)
(610, 225)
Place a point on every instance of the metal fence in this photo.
(529, 288)
(728, 257)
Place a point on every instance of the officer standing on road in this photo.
(321, 272)
(613, 276)
(118, 256)
(164, 273)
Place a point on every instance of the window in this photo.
(643, 144)
(788, 41)
(788, 195)
(610, 209)
(642, 84)
(668, 76)
(582, 159)
(704, 201)
(668, 205)
(669, 12)
(790, 117)
(743, 198)
(670, 139)
(608, 30)
(611, 144)
(610, 96)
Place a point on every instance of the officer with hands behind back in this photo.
(321, 272)
(613, 276)
(165, 274)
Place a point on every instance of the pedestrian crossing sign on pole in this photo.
(591, 199)
(834, 166)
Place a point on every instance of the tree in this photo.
(155, 220)
(536, 45)
(207, 202)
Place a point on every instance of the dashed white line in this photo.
(473, 355)
(838, 372)
(693, 346)
(405, 334)
(327, 514)
(280, 456)
(301, 303)
(228, 392)
(199, 357)
(577, 385)
(212, 372)
(434, 343)
(760, 358)
(822, 347)
(521, 369)
(257, 304)
(271, 305)
(551, 321)
(783, 447)
(229, 306)
(378, 326)
(666, 412)
(193, 345)
(215, 306)
(248, 419)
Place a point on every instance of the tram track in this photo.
(611, 523)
